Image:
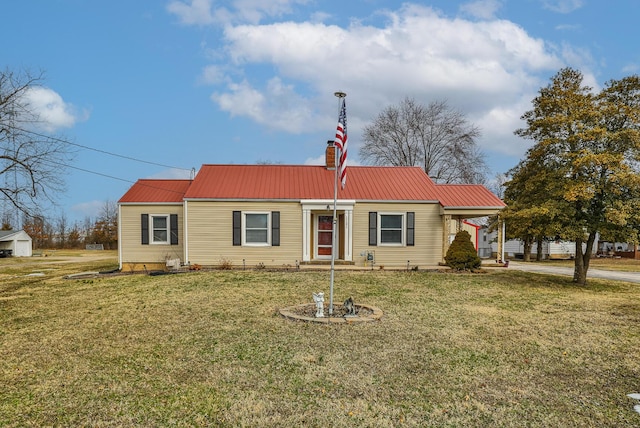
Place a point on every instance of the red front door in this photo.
(324, 236)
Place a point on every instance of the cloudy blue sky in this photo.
(179, 83)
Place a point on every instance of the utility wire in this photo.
(97, 150)
(111, 176)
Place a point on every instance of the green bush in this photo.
(461, 254)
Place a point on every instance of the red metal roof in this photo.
(467, 196)
(295, 182)
(156, 191)
(292, 182)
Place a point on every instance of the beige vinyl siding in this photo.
(428, 235)
(131, 249)
(210, 234)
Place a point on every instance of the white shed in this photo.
(19, 242)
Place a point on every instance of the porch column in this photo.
(501, 230)
(348, 238)
(446, 230)
(306, 235)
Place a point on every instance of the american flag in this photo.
(341, 143)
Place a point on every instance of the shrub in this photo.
(225, 264)
(461, 254)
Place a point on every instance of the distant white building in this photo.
(514, 248)
(18, 243)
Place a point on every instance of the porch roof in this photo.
(467, 196)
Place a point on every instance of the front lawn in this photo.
(500, 349)
(605, 263)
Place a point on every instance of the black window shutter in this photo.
(144, 222)
(173, 222)
(275, 228)
(373, 228)
(237, 228)
(411, 220)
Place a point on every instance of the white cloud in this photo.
(52, 110)
(198, 12)
(173, 173)
(212, 74)
(320, 160)
(205, 12)
(254, 10)
(277, 106)
(482, 68)
(482, 9)
(562, 6)
(498, 124)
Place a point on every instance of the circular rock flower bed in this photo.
(307, 312)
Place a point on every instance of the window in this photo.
(159, 229)
(256, 228)
(391, 229)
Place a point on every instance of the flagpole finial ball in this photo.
(340, 94)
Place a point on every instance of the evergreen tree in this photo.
(461, 254)
(582, 175)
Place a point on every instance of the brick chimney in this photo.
(330, 155)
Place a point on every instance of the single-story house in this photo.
(282, 215)
(16, 243)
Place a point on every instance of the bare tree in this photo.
(109, 213)
(437, 137)
(105, 229)
(31, 163)
(39, 229)
(62, 230)
(498, 184)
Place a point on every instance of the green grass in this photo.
(507, 349)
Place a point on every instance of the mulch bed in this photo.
(338, 310)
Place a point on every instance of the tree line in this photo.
(59, 233)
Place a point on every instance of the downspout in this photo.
(185, 230)
(119, 237)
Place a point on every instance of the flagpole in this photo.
(340, 96)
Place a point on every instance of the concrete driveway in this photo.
(568, 271)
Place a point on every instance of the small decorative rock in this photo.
(318, 298)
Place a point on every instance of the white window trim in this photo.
(151, 229)
(403, 231)
(244, 229)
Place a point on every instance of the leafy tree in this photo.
(581, 177)
(31, 163)
(461, 254)
(436, 137)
